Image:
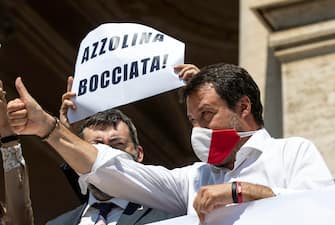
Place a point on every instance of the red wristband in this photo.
(239, 192)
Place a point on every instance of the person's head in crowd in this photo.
(223, 96)
(111, 127)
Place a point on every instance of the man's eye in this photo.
(119, 145)
(98, 142)
(192, 121)
(206, 115)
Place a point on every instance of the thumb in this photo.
(69, 83)
(21, 89)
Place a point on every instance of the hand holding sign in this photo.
(67, 103)
(186, 71)
(121, 63)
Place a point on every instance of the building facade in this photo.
(289, 46)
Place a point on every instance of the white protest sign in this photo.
(307, 208)
(119, 63)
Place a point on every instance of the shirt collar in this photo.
(117, 201)
(255, 143)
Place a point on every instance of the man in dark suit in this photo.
(134, 214)
(113, 128)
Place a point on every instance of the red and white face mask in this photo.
(214, 146)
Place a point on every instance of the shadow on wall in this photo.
(273, 104)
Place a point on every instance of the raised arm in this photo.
(135, 184)
(79, 154)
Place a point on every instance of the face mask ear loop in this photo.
(246, 134)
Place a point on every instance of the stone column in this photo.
(289, 46)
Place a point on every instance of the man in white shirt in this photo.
(241, 162)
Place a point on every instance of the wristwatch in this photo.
(7, 139)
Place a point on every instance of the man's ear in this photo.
(140, 154)
(243, 106)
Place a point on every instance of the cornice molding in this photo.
(302, 35)
(283, 15)
(298, 28)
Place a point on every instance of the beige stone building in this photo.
(289, 46)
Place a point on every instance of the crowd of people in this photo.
(239, 160)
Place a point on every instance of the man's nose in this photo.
(106, 139)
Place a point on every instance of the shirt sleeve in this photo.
(117, 174)
(305, 169)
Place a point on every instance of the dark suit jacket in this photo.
(134, 214)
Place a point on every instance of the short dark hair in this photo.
(110, 117)
(230, 82)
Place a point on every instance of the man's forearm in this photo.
(79, 154)
(16, 184)
(18, 196)
(252, 192)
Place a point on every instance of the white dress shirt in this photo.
(90, 214)
(285, 165)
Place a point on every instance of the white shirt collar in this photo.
(256, 143)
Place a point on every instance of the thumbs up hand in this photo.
(26, 115)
